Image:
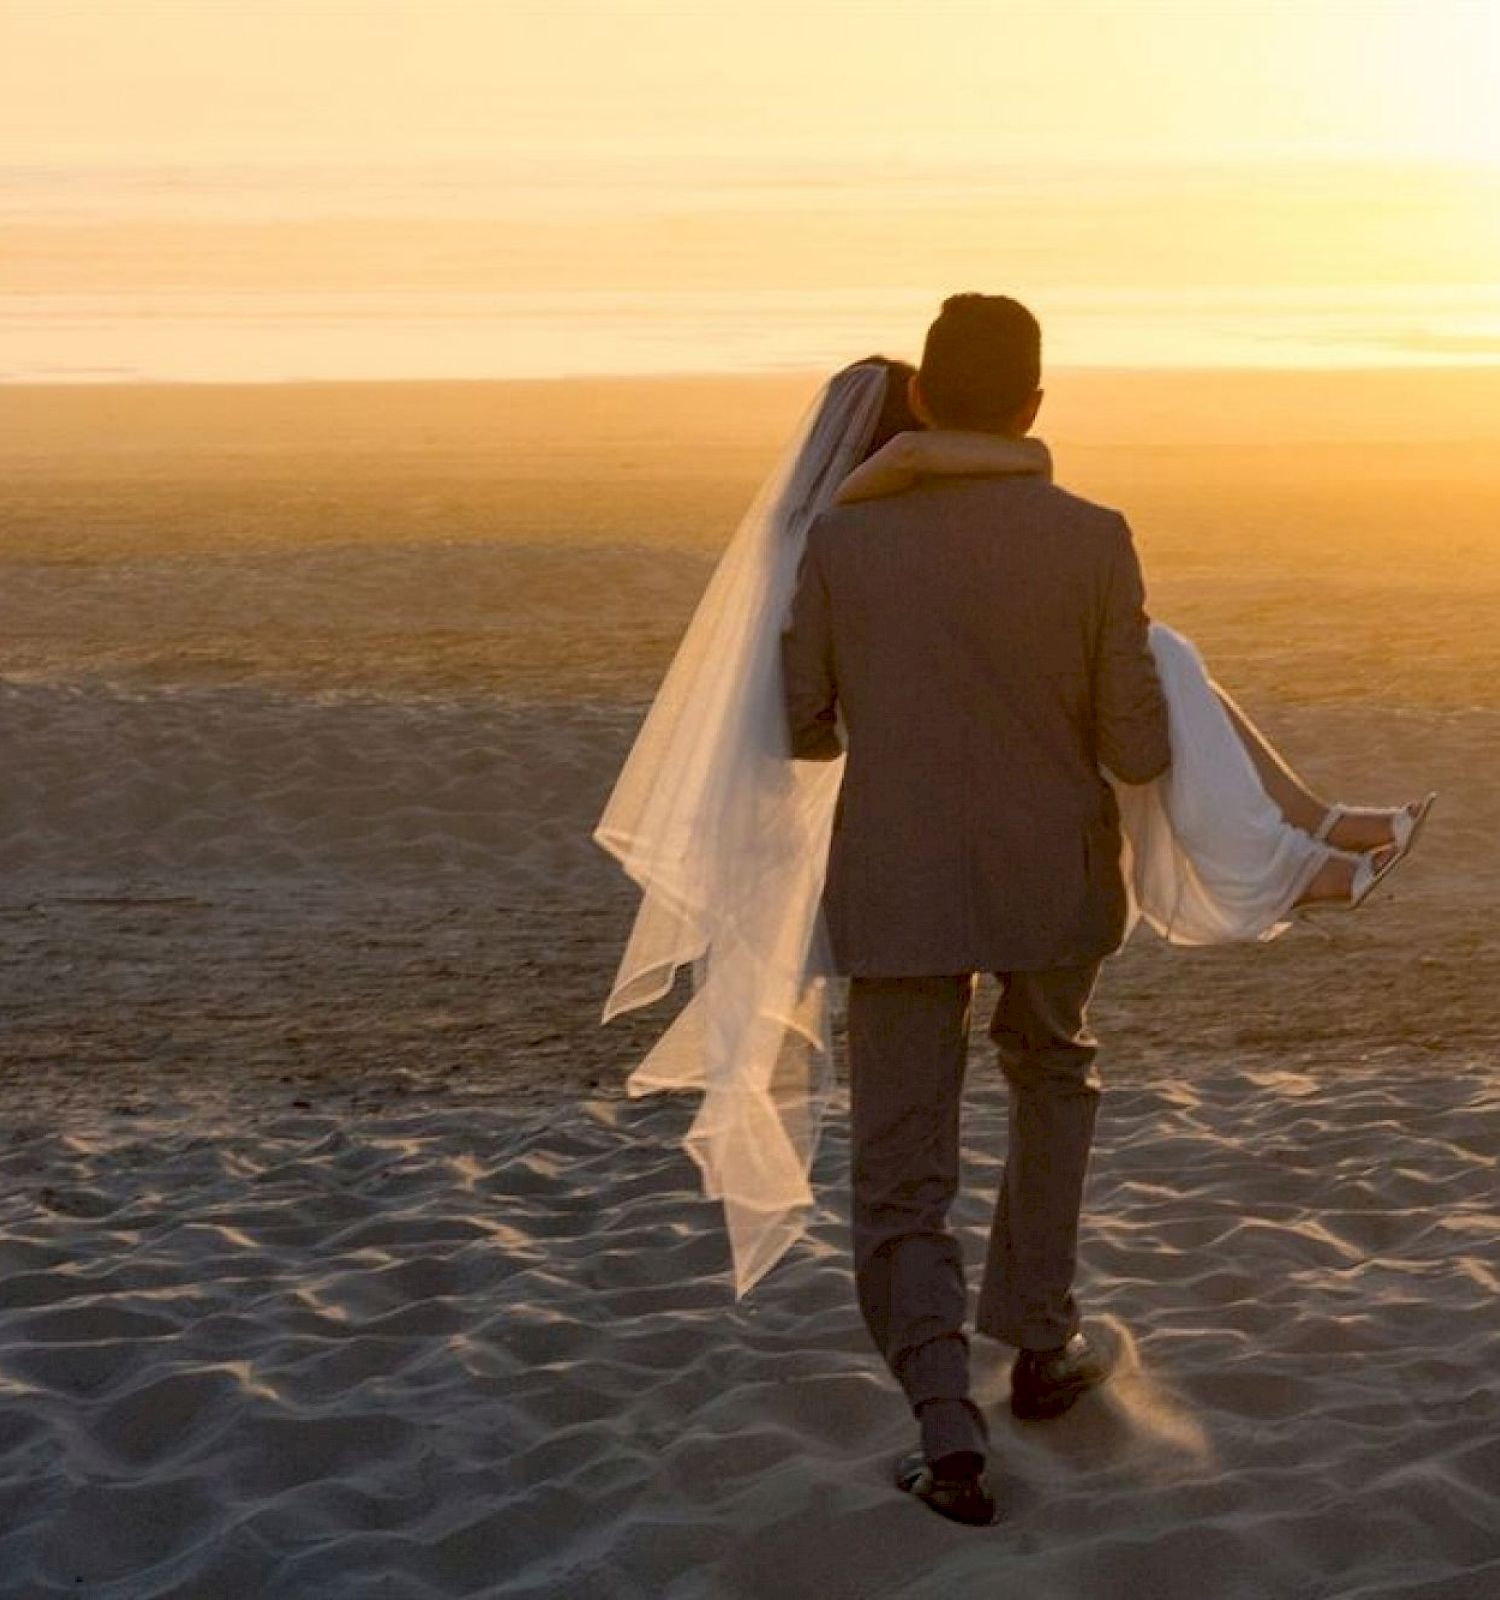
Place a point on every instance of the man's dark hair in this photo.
(982, 361)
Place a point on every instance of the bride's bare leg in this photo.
(1354, 830)
(1334, 880)
(1296, 802)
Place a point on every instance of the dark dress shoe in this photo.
(962, 1497)
(1044, 1383)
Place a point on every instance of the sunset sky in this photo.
(778, 80)
(844, 162)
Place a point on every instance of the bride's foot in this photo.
(1346, 878)
(1360, 828)
(1333, 882)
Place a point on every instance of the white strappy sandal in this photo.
(1367, 874)
(1406, 823)
(1371, 867)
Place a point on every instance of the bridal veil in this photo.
(727, 838)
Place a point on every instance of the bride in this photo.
(727, 836)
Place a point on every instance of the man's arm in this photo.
(1130, 710)
(811, 694)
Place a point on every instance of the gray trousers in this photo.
(908, 1040)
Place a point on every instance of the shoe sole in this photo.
(1419, 822)
(1403, 851)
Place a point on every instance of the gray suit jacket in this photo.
(984, 641)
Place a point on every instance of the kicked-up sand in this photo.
(334, 1261)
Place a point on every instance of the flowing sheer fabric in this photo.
(727, 838)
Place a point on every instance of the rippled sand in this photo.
(334, 1261)
(453, 1349)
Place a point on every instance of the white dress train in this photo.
(1208, 856)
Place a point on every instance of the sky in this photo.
(510, 187)
(761, 84)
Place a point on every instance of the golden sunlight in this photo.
(403, 495)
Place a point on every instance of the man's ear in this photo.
(917, 403)
(1026, 416)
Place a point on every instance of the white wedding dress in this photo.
(727, 838)
(1209, 858)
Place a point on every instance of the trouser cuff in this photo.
(951, 1425)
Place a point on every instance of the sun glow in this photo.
(460, 188)
(1029, 81)
(1448, 58)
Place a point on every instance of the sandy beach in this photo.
(334, 1261)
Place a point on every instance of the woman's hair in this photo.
(896, 415)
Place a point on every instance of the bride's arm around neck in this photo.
(942, 452)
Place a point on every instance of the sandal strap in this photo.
(1330, 820)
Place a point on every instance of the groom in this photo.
(983, 640)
